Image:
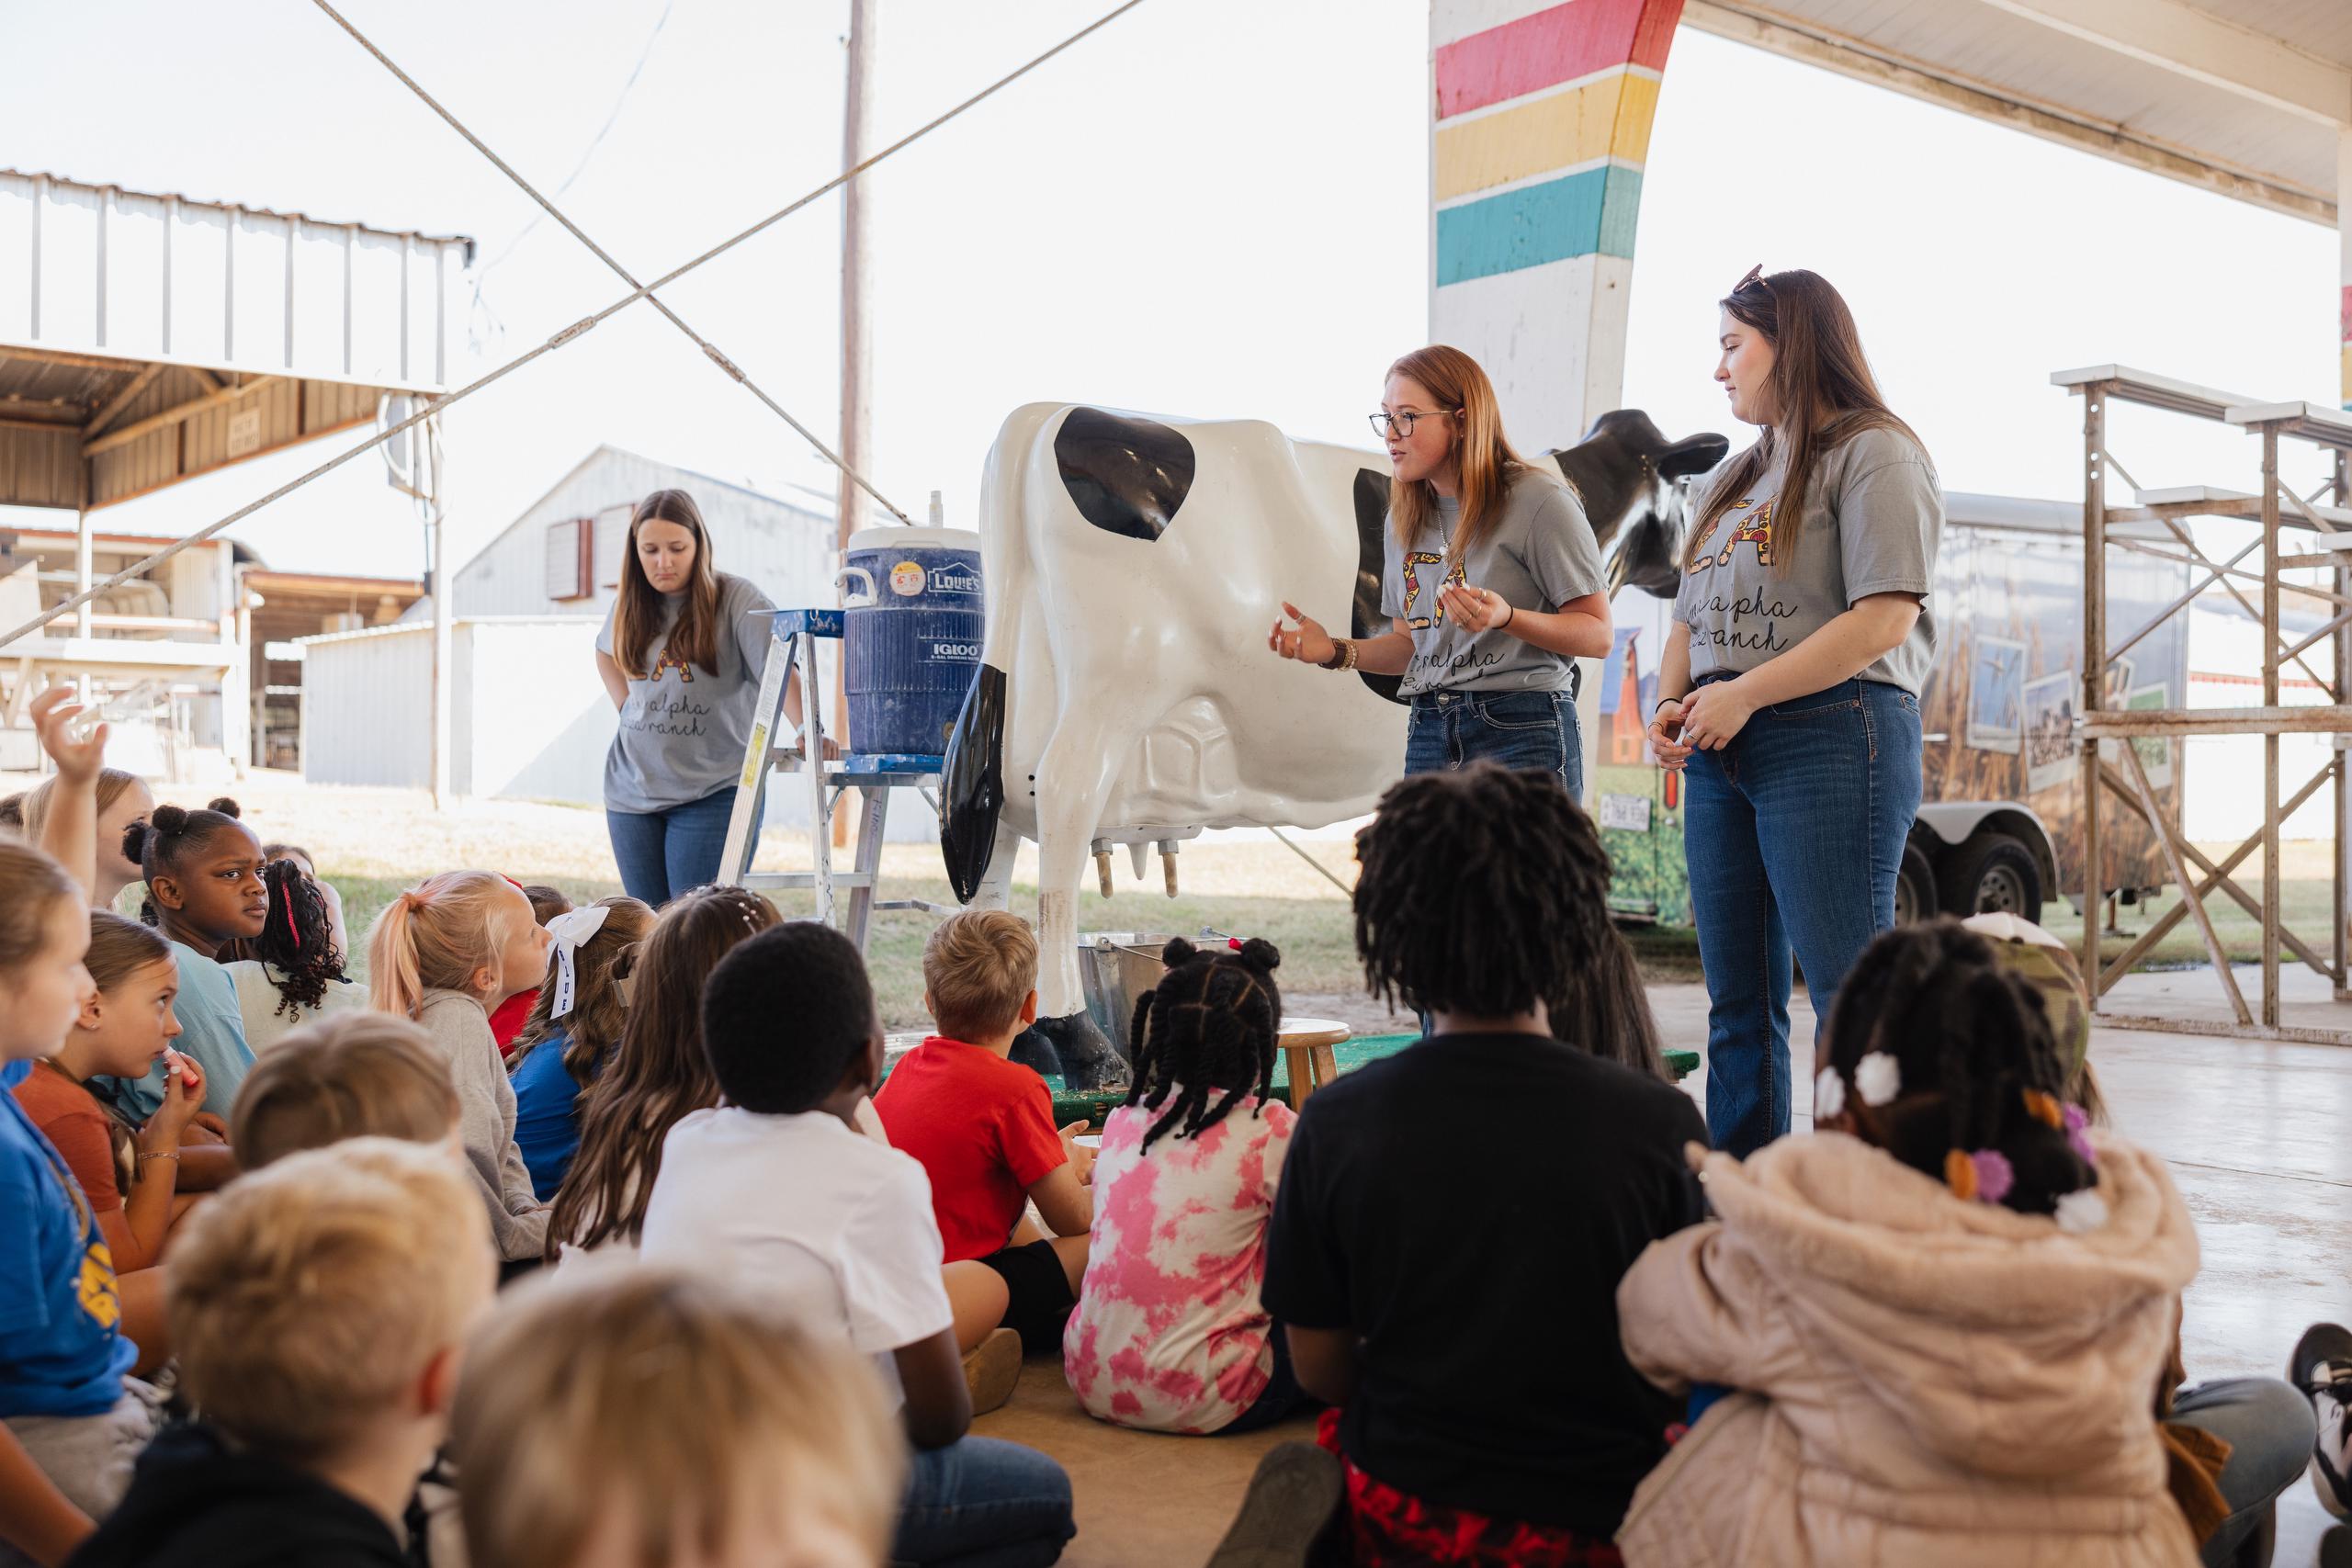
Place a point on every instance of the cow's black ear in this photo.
(1125, 475)
(1692, 455)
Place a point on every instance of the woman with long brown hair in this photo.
(1789, 684)
(1491, 580)
(682, 654)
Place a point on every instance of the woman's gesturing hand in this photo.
(1307, 641)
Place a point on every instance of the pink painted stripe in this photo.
(1559, 45)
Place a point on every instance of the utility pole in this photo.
(857, 388)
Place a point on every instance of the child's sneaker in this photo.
(994, 1370)
(1289, 1514)
(2322, 1368)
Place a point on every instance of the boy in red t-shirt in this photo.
(983, 1128)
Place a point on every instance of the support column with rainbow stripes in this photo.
(1543, 123)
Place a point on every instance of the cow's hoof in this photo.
(1079, 1051)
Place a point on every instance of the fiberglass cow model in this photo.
(1125, 693)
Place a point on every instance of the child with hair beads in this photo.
(70, 1423)
(320, 1307)
(853, 1254)
(1169, 1334)
(357, 1075)
(309, 866)
(292, 973)
(758, 1444)
(444, 953)
(204, 891)
(658, 1072)
(133, 1173)
(574, 1026)
(1946, 1310)
(506, 1023)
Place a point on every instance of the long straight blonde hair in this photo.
(1488, 462)
(436, 936)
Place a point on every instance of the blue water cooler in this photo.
(911, 604)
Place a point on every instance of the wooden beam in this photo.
(58, 427)
(173, 415)
(62, 357)
(120, 400)
(204, 378)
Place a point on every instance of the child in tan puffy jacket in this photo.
(1944, 1311)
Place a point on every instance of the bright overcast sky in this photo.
(1213, 207)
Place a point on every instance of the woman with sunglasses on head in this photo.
(1789, 683)
(1492, 582)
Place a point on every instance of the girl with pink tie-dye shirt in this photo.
(1169, 1334)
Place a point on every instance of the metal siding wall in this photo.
(367, 710)
(540, 721)
(42, 469)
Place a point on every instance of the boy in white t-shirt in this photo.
(775, 1187)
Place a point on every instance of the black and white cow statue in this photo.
(1124, 692)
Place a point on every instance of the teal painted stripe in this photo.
(1573, 216)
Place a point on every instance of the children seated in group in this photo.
(1169, 1334)
(574, 1026)
(508, 1020)
(444, 953)
(1951, 1213)
(774, 1187)
(122, 799)
(320, 1308)
(658, 1072)
(293, 972)
(982, 1127)
(356, 1074)
(138, 1176)
(645, 1404)
(1452, 1221)
(307, 864)
(204, 891)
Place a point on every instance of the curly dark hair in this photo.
(1981, 1071)
(1482, 891)
(296, 940)
(170, 832)
(1210, 1025)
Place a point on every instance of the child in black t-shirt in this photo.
(1453, 1222)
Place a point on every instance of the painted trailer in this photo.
(2001, 819)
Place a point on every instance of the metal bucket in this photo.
(1115, 968)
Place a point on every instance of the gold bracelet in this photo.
(173, 1156)
(1343, 655)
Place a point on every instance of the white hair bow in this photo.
(572, 931)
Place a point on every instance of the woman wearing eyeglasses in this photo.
(1789, 683)
(1492, 582)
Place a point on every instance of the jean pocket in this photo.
(1844, 697)
(1520, 710)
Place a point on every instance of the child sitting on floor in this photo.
(757, 1444)
(1169, 1334)
(845, 1244)
(444, 953)
(309, 866)
(1946, 1214)
(983, 1127)
(119, 799)
(319, 1308)
(292, 973)
(1452, 1221)
(507, 1021)
(357, 1075)
(573, 1028)
(204, 891)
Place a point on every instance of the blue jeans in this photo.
(2268, 1426)
(664, 853)
(983, 1503)
(1793, 833)
(1532, 730)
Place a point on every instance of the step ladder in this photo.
(871, 776)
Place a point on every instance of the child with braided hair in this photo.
(1946, 1311)
(292, 973)
(1171, 1333)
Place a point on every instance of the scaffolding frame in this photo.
(2323, 540)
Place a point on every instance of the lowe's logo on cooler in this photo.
(955, 580)
(939, 652)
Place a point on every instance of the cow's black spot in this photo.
(1364, 618)
(1125, 475)
(971, 792)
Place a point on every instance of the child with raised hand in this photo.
(138, 1176)
(1452, 1221)
(507, 1021)
(357, 1075)
(320, 1308)
(982, 1126)
(573, 1028)
(657, 1074)
(204, 891)
(444, 953)
(292, 973)
(654, 1405)
(1947, 1213)
(71, 1424)
(109, 799)
(853, 1255)
(1171, 1333)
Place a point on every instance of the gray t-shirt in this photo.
(683, 730)
(1539, 556)
(1873, 515)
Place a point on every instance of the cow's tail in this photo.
(971, 797)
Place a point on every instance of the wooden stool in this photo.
(1307, 1046)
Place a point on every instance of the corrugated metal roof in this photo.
(97, 185)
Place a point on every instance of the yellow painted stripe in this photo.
(1609, 116)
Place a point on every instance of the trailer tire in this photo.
(1992, 872)
(1915, 885)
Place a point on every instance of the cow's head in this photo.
(1635, 485)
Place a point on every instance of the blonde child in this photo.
(444, 954)
(359, 1075)
(606, 1406)
(320, 1307)
(119, 799)
(506, 1021)
(575, 1025)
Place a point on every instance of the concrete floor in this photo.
(2258, 1137)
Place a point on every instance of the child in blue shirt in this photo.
(204, 891)
(571, 1029)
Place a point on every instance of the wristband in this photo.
(1343, 655)
(1510, 619)
(173, 1156)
